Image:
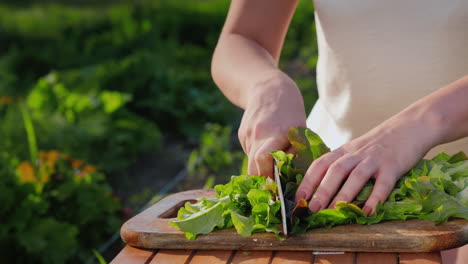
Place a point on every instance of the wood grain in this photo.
(150, 229)
(252, 257)
(211, 257)
(423, 258)
(380, 258)
(169, 256)
(347, 258)
(292, 257)
(131, 255)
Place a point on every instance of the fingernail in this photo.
(315, 206)
(367, 210)
(300, 195)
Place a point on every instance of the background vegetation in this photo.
(102, 103)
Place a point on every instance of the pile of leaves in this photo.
(433, 190)
(247, 203)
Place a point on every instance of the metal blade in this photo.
(281, 198)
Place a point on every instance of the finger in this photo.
(384, 183)
(335, 175)
(244, 148)
(252, 165)
(356, 181)
(243, 143)
(315, 174)
(242, 136)
(263, 157)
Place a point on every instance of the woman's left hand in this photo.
(385, 153)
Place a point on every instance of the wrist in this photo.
(274, 88)
(444, 113)
(428, 125)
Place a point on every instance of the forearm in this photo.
(239, 65)
(245, 61)
(445, 112)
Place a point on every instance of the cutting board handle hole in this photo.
(172, 212)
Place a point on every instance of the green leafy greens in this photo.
(247, 203)
(433, 190)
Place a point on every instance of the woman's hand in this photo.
(245, 68)
(385, 153)
(274, 105)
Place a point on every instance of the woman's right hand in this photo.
(274, 105)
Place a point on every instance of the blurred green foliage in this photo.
(157, 51)
(215, 158)
(55, 212)
(85, 125)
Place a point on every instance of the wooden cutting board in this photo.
(150, 229)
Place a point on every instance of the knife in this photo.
(281, 199)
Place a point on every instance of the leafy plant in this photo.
(54, 212)
(149, 50)
(79, 123)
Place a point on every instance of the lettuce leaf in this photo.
(200, 218)
(308, 145)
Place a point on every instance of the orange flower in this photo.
(5, 100)
(75, 164)
(88, 169)
(49, 158)
(85, 171)
(26, 172)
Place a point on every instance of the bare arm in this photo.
(250, 44)
(245, 67)
(448, 109)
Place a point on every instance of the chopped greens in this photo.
(434, 190)
(247, 203)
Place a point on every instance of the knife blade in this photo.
(281, 198)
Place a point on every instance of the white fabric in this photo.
(376, 57)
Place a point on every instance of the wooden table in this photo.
(146, 256)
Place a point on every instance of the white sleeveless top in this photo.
(376, 57)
